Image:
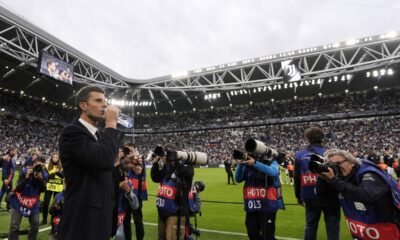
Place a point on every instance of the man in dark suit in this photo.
(88, 157)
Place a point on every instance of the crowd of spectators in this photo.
(363, 135)
(27, 136)
(21, 104)
(351, 103)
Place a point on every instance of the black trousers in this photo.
(230, 176)
(260, 225)
(137, 219)
(46, 202)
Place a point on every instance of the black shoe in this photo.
(44, 222)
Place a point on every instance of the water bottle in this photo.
(125, 121)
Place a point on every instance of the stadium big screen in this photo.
(56, 68)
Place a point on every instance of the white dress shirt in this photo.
(92, 129)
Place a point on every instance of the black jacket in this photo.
(371, 189)
(90, 194)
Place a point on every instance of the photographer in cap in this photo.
(305, 186)
(262, 193)
(25, 199)
(370, 197)
(175, 180)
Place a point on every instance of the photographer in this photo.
(7, 173)
(175, 180)
(368, 196)
(137, 176)
(54, 185)
(25, 200)
(55, 212)
(228, 170)
(305, 184)
(34, 153)
(389, 159)
(126, 196)
(262, 194)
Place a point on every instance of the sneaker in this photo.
(44, 222)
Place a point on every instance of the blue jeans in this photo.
(332, 222)
(120, 233)
(5, 189)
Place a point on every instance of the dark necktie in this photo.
(98, 136)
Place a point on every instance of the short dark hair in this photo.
(49, 62)
(170, 147)
(84, 93)
(40, 159)
(130, 144)
(314, 135)
(373, 157)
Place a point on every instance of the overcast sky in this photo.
(147, 39)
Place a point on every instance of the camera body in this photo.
(38, 168)
(199, 186)
(59, 204)
(126, 151)
(319, 164)
(239, 155)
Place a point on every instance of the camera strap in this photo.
(179, 187)
(264, 231)
(178, 225)
(195, 223)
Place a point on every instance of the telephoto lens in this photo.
(256, 147)
(193, 158)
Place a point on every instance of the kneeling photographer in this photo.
(195, 208)
(55, 213)
(370, 197)
(174, 171)
(25, 199)
(262, 193)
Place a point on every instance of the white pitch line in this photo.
(201, 229)
(223, 232)
(40, 230)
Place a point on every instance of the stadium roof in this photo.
(239, 82)
(157, 39)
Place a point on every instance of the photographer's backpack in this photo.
(391, 182)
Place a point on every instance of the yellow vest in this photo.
(55, 184)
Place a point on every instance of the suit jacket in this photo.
(90, 195)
